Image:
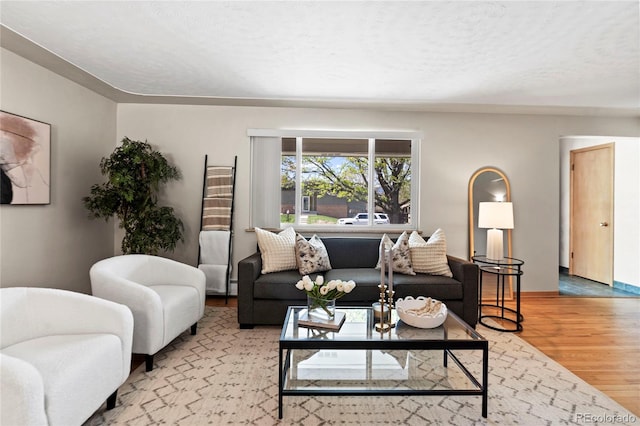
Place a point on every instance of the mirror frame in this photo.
(472, 222)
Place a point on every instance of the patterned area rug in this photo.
(225, 375)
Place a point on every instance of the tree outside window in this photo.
(340, 179)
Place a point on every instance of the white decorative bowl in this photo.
(420, 321)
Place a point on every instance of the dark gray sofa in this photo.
(263, 299)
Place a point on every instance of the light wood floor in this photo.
(598, 339)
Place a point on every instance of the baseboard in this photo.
(629, 288)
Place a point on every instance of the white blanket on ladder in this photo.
(214, 258)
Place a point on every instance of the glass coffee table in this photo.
(358, 360)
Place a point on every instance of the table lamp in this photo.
(496, 216)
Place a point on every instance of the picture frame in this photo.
(25, 160)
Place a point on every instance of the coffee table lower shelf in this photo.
(481, 391)
(291, 341)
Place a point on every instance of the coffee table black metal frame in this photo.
(378, 341)
(502, 268)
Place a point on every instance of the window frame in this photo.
(371, 136)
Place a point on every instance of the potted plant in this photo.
(134, 174)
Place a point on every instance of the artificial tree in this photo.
(134, 173)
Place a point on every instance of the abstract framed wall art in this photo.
(25, 160)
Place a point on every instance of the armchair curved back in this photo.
(147, 270)
(29, 313)
(134, 267)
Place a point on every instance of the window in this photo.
(335, 181)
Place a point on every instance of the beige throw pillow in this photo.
(430, 257)
(311, 255)
(401, 255)
(278, 250)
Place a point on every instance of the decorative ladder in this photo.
(216, 223)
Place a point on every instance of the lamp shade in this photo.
(495, 215)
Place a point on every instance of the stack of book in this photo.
(313, 321)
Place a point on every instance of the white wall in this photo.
(55, 245)
(455, 145)
(626, 267)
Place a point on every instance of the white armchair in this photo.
(165, 296)
(62, 354)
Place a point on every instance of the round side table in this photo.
(502, 268)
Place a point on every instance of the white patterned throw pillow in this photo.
(430, 257)
(311, 255)
(401, 255)
(278, 250)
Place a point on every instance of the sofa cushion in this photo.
(278, 250)
(279, 285)
(352, 252)
(435, 286)
(366, 279)
(311, 256)
(359, 275)
(401, 261)
(77, 371)
(430, 257)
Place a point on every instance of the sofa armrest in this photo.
(467, 273)
(248, 271)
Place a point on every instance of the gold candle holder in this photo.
(390, 294)
(383, 326)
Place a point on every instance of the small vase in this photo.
(321, 308)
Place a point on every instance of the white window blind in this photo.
(265, 181)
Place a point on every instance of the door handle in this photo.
(604, 224)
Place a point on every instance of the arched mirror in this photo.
(487, 184)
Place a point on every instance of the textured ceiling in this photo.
(569, 54)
